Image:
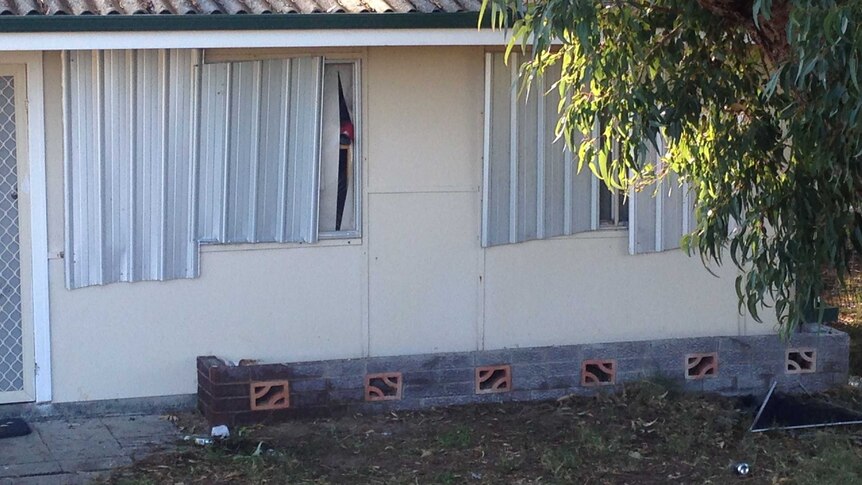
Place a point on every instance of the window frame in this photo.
(358, 115)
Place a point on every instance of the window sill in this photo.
(323, 243)
(607, 232)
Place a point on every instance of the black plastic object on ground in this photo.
(11, 427)
(788, 411)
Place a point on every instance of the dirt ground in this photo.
(647, 434)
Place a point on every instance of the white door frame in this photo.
(35, 182)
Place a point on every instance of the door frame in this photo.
(32, 190)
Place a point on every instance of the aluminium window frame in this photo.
(358, 174)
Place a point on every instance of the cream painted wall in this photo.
(424, 161)
(418, 281)
(588, 289)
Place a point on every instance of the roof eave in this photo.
(157, 23)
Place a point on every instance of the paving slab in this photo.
(23, 449)
(65, 439)
(76, 451)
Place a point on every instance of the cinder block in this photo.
(305, 385)
(562, 353)
(629, 351)
(528, 355)
(723, 385)
(346, 367)
(748, 383)
(569, 368)
(493, 357)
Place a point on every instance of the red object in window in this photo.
(346, 132)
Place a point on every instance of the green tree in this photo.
(758, 105)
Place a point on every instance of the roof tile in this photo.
(231, 7)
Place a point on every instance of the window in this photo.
(613, 204)
(531, 186)
(339, 174)
(165, 152)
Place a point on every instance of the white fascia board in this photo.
(204, 39)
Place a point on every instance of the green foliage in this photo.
(757, 103)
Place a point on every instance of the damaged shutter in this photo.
(531, 187)
(130, 121)
(260, 151)
(659, 216)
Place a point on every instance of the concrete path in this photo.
(63, 451)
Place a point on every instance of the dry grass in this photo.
(646, 434)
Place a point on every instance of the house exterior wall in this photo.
(416, 282)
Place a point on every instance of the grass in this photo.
(645, 434)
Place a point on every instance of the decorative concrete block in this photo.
(493, 379)
(800, 361)
(267, 395)
(598, 372)
(701, 365)
(385, 386)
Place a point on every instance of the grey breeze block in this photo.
(243, 394)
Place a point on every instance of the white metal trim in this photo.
(67, 168)
(513, 149)
(686, 209)
(53, 41)
(660, 195)
(39, 228)
(540, 160)
(594, 184)
(486, 149)
(633, 221)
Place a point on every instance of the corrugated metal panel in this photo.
(533, 189)
(231, 7)
(659, 215)
(260, 151)
(130, 159)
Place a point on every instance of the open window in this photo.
(340, 154)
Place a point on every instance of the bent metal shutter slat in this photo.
(130, 122)
(260, 151)
(531, 187)
(154, 165)
(659, 215)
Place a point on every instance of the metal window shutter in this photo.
(532, 189)
(129, 163)
(260, 151)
